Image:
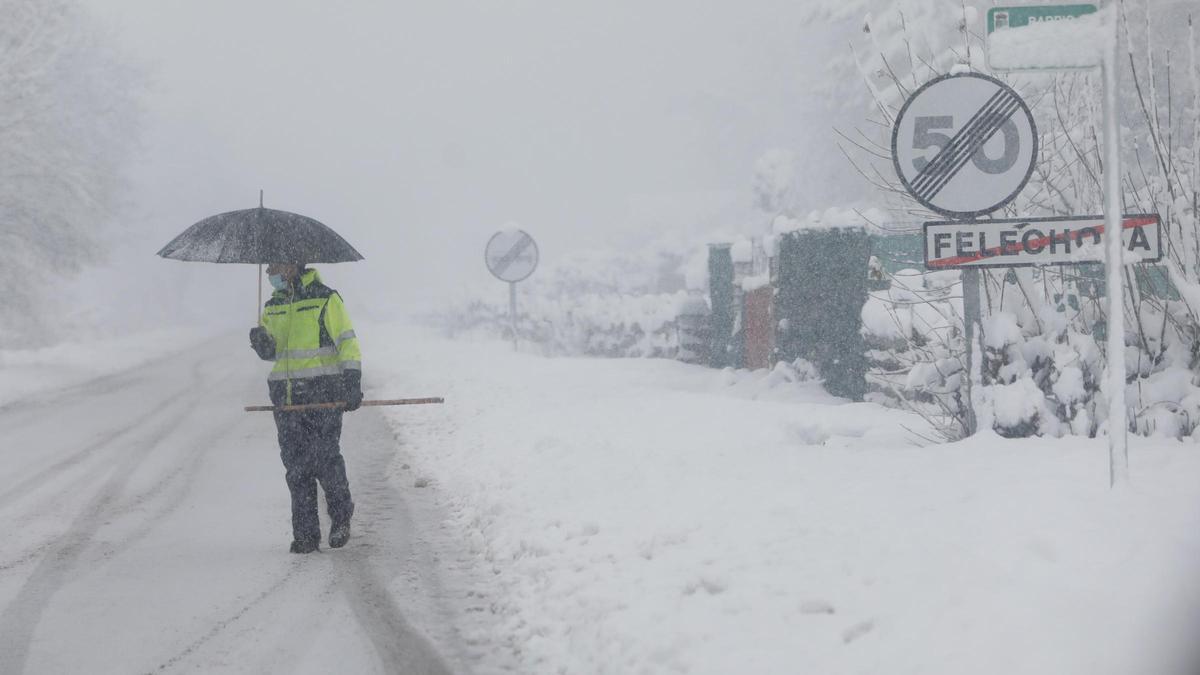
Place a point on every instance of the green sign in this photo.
(1010, 50)
(999, 18)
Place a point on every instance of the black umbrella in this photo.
(260, 236)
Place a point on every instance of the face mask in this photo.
(278, 282)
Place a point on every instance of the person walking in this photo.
(306, 332)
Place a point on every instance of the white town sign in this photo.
(1037, 241)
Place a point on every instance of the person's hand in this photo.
(352, 389)
(262, 343)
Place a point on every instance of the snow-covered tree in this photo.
(774, 182)
(68, 114)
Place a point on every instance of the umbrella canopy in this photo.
(260, 236)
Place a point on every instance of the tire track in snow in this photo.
(294, 570)
(50, 404)
(399, 645)
(178, 481)
(43, 404)
(361, 573)
(56, 498)
(20, 618)
(58, 501)
(32, 482)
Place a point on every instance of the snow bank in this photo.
(1017, 402)
(29, 372)
(596, 302)
(644, 516)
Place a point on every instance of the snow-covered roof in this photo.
(832, 218)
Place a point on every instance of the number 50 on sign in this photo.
(964, 145)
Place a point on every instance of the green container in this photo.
(822, 285)
(723, 350)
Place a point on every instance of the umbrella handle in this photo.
(258, 307)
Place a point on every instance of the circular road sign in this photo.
(511, 255)
(964, 145)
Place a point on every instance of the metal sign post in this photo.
(511, 256)
(512, 311)
(1012, 47)
(1118, 427)
(963, 146)
(971, 319)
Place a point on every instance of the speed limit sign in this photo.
(964, 145)
(511, 255)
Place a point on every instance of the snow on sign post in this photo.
(511, 255)
(1082, 36)
(964, 145)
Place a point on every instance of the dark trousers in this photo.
(308, 445)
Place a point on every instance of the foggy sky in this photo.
(416, 129)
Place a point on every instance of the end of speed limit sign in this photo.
(511, 255)
(964, 145)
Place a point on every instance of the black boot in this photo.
(305, 545)
(339, 534)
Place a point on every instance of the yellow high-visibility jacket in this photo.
(315, 345)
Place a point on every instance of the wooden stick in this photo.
(340, 404)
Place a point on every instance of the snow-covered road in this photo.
(565, 515)
(145, 528)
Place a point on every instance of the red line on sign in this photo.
(1127, 224)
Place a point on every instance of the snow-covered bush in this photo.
(912, 329)
(593, 325)
(610, 303)
(1055, 370)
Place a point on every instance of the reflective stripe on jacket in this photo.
(314, 341)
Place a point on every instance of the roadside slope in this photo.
(643, 516)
